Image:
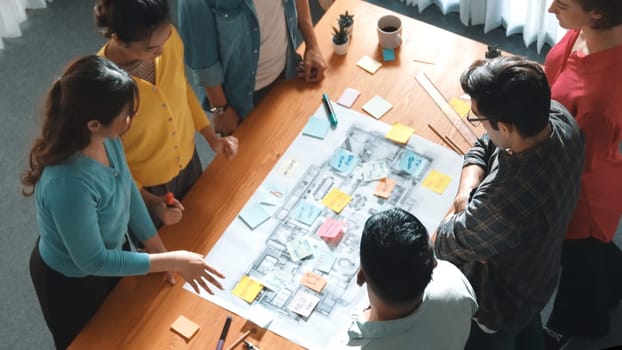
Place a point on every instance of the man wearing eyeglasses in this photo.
(518, 188)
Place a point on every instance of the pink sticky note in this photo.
(348, 97)
(331, 228)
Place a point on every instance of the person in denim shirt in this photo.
(236, 49)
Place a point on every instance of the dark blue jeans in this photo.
(530, 337)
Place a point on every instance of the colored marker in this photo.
(223, 334)
(170, 199)
(332, 117)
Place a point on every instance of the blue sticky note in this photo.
(325, 261)
(306, 213)
(413, 164)
(316, 127)
(344, 161)
(388, 55)
(254, 215)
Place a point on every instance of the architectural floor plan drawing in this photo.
(291, 256)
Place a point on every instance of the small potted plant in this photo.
(347, 21)
(341, 41)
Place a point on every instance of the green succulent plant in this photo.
(346, 19)
(340, 36)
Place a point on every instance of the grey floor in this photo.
(51, 38)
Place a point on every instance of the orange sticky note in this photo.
(400, 133)
(313, 281)
(247, 289)
(185, 327)
(384, 188)
(436, 181)
(461, 106)
(336, 200)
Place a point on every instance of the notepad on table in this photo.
(377, 107)
(369, 64)
(316, 127)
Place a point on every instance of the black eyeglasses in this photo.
(474, 119)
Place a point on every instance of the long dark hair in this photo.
(91, 88)
(130, 20)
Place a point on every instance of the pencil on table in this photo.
(240, 339)
(451, 146)
(454, 145)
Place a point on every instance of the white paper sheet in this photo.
(257, 253)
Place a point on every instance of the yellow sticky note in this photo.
(384, 188)
(461, 106)
(400, 133)
(185, 327)
(336, 200)
(369, 64)
(247, 289)
(313, 281)
(436, 181)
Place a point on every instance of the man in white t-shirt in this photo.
(415, 300)
(237, 49)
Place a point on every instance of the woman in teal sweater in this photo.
(86, 200)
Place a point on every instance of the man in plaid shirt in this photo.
(518, 188)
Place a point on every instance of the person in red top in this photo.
(585, 70)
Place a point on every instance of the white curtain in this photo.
(12, 13)
(527, 16)
(446, 6)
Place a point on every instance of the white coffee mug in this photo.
(389, 32)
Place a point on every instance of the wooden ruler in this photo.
(449, 112)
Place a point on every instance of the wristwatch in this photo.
(218, 110)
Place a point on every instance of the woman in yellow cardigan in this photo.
(159, 147)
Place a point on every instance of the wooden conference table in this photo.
(139, 311)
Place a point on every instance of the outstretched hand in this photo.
(193, 268)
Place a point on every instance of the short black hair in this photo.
(130, 20)
(396, 257)
(610, 10)
(510, 89)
